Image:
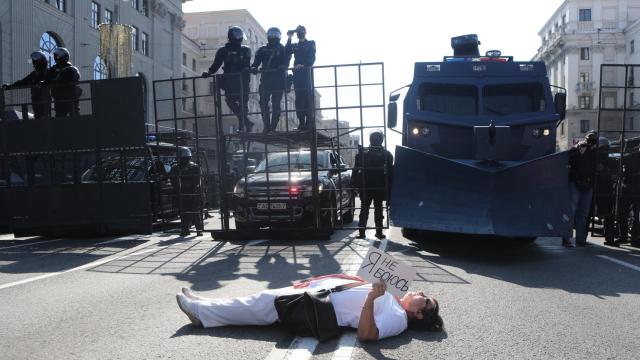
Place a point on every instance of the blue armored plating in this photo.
(478, 147)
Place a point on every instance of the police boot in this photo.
(361, 234)
(379, 234)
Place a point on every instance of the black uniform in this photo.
(40, 99)
(373, 175)
(64, 91)
(235, 81)
(605, 194)
(185, 179)
(630, 199)
(304, 53)
(274, 61)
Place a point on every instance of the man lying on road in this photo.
(375, 313)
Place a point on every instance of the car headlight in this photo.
(239, 190)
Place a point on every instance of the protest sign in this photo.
(378, 265)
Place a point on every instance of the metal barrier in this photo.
(616, 205)
(85, 172)
(290, 178)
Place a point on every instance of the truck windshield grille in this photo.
(449, 99)
(508, 99)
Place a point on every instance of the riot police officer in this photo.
(605, 190)
(236, 59)
(185, 179)
(63, 76)
(304, 52)
(373, 174)
(36, 79)
(629, 203)
(274, 61)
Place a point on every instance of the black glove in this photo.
(205, 74)
(254, 71)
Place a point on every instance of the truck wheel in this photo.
(328, 221)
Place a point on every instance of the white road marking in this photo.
(86, 266)
(33, 243)
(620, 262)
(346, 346)
(301, 348)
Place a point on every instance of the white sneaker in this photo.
(191, 295)
(185, 305)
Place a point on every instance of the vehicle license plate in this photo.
(274, 206)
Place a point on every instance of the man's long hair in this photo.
(431, 320)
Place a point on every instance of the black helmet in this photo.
(39, 59)
(235, 34)
(61, 55)
(591, 137)
(273, 35)
(301, 31)
(376, 138)
(184, 152)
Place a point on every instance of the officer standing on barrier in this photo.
(605, 190)
(304, 52)
(36, 79)
(373, 175)
(185, 179)
(274, 61)
(629, 203)
(63, 76)
(236, 59)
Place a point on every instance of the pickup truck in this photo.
(279, 192)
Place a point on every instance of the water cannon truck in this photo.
(478, 153)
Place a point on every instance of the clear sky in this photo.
(400, 33)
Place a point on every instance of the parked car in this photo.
(279, 192)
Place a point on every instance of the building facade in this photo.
(580, 37)
(30, 25)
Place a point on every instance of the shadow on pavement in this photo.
(273, 334)
(45, 256)
(541, 264)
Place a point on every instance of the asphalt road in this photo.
(115, 298)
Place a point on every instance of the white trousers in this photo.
(256, 309)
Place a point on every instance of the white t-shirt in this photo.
(390, 317)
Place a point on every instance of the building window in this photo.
(584, 102)
(584, 126)
(108, 16)
(145, 8)
(184, 59)
(61, 5)
(95, 14)
(562, 128)
(100, 71)
(584, 77)
(584, 53)
(631, 123)
(185, 87)
(134, 38)
(193, 64)
(585, 14)
(48, 43)
(632, 100)
(145, 43)
(135, 4)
